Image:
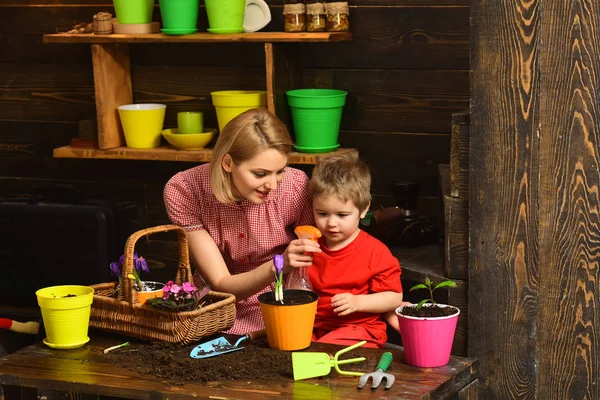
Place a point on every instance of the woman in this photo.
(241, 209)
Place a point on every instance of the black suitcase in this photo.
(55, 237)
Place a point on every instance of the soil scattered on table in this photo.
(173, 362)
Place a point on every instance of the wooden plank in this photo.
(168, 153)
(469, 392)
(396, 37)
(395, 156)
(455, 229)
(87, 370)
(395, 100)
(272, 3)
(269, 73)
(255, 37)
(112, 88)
(459, 156)
(506, 133)
(379, 100)
(286, 76)
(568, 273)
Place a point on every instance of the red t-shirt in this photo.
(365, 266)
(247, 234)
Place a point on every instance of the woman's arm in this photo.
(211, 266)
(377, 303)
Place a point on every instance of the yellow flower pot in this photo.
(66, 315)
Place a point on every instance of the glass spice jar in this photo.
(337, 16)
(315, 16)
(294, 17)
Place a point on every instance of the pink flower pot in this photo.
(427, 341)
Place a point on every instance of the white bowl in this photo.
(257, 15)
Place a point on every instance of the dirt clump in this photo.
(173, 362)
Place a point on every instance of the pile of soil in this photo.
(173, 362)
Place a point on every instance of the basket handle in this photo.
(184, 271)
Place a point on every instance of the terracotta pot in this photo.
(289, 325)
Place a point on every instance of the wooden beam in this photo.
(255, 37)
(168, 153)
(112, 88)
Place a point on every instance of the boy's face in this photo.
(337, 220)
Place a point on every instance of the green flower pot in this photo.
(134, 11)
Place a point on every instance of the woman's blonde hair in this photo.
(343, 175)
(242, 138)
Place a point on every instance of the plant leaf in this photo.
(419, 286)
(422, 302)
(447, 283)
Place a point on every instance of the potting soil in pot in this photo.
(172, 361)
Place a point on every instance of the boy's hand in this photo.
(299, 254)
(345, 303)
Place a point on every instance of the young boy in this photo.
(356, 276)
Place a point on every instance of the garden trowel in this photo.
(310, 364)
(221, 345)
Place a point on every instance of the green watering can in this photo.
(311, 364)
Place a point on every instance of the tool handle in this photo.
(384, 361)
(30, 327)
(256, 334)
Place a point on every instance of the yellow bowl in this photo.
(142, 124)
(188, 141)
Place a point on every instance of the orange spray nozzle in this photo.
(308, 232)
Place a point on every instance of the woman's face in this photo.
(253, 179)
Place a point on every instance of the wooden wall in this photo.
(406, 71)
(534, 201)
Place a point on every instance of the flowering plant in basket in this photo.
(179, 298)
(139, 265)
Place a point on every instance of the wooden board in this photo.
(256, 37)
(112, 88)
(88, 371)
(459, 156)
(168, 153)
(455, 229)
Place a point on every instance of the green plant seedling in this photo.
(429, 285)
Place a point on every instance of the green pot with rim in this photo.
(134, 11)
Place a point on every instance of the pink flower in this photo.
(188, 287)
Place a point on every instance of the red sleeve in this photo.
(183, 207)
(387, 276)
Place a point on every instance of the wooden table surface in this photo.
(86, 371)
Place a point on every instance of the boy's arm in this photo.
(376, 303)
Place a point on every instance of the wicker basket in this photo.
(125, 315)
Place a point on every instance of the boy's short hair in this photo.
(242, 138)
(343, 175)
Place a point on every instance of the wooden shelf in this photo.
(168, 153)
(255, 37)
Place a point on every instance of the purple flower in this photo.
(278, 261)
(140, 264)
(115, 268)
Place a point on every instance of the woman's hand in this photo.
(299, 253)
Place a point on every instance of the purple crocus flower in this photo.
(140, 264)
(278, 261)
(115, 268)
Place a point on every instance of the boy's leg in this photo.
(346, 335)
